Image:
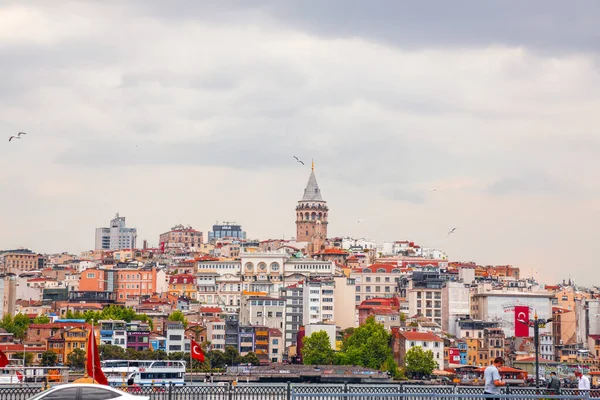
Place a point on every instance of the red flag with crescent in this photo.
(3, 359)
(521, 321)
(197, 353)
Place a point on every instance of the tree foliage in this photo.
(111, 352)
(250, 358)
(49, 359)
(16, 325)
(114, 312)
(368, 346)
(316, 349)
(231, 355)
(178, 316)
(77, 360)
(419, 362)
(41, 319)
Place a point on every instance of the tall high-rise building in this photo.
(229, 230)
(117, 236)
(311, 216)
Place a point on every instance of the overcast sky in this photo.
(190, 112)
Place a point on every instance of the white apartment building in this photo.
(294, 311)
(330, 329)
(318, 301)
(113, 332)
(309, 267)
(547, 346)
(425, 340)
(377, 280)
(175, 337)
(117, 236)
(262, 311)
(263, 271)
(215, 334)
(456, 305)
(219, 267)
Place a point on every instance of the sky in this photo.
(420, 116)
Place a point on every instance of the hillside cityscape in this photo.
(259, 301)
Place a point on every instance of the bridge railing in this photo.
(294, 391)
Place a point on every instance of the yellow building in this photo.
(75, 338)
(183, 285)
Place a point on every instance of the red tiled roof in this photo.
(211, 309)
(275, 332)
(375, 267)
(421, 336)
(333, 252)
(532, 359)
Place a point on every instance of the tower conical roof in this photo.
(312, 191)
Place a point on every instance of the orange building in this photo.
(126, 283)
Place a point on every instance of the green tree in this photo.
(217, 358)
(178, 316)
(161, 355)
(48, 359)
(231, 355)
(41, 319)
(250, 358)
(368, 346)
(77, 360)
(420, 363)
(28, 358)
(16, 325)
(179, 356)
(391, 366)
(111, 352)
(316, 349)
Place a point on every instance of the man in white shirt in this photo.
(493, 380)
(583, 382)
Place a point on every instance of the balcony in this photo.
(262, 333)
(262, 342)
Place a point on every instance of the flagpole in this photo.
(191, 362)
(93, 342)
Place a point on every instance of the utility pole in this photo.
(536, 323)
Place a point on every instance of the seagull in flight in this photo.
(452, 231)
(21, 133)
(298, 160)
(13, 137)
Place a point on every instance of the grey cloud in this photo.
(536, 185)
(546, 25)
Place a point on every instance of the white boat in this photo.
(144, 372)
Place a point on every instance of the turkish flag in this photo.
(197, 353)
(3, 359)
(521, 321)
(93, 360)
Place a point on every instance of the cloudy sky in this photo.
(190, 112)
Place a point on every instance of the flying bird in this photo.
(21, 133)
(452, 231)
(298, 160)
(13, 137)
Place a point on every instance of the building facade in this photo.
(226, 230)
(18, 261)
(117, 236)
(180, 237)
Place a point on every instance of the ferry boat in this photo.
(144, 372)
(11, 375)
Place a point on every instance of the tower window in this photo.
(306, 233)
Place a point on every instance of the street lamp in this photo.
(536, 323)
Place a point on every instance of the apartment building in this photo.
(377, 280)
(276, 348)
(18, 261)
(294, 312)
(262, 311)
(403, 341)
(113, 332)
(180, 237)
(318, 304)
(215, 334)
(183, 285)
(117, 236)
(175, 334)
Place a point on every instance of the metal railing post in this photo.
(170, 394)
(289, 390)
(230, 388)
(345, 387)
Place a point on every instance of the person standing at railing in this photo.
(554, 384)
(493, 380)
(583, 382)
